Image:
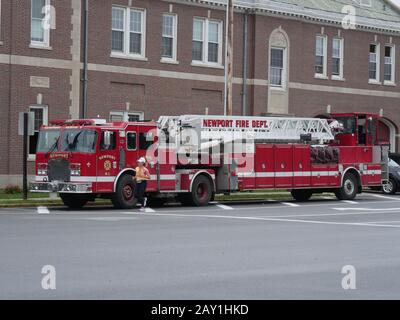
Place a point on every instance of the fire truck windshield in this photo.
(76, 140)
(349, 124)
(48, 140)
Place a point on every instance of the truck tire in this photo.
(302, 195)
(202, 191)
(124, 196)
(349, 189)
(74, 201)
(390, 187)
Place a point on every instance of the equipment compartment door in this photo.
(284, 166)
(265, 166)
(302, 166)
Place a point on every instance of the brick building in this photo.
(152, 57)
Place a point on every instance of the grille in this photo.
(59, 170)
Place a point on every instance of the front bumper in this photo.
(61, 187)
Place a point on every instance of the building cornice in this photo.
(291, 11)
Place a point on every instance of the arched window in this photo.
(278, 59)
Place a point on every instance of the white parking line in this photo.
(224, 207)
(273, 220)
(368, 209)
(290, 204)
(385, 222)
(350, 202)
(110, 219)
(384, 197)
(43, 210)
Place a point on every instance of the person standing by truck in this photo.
(142, 175)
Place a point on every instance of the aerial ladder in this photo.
(196, 132)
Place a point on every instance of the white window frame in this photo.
(174, 38)
(127, 18)
(125, 115)
(46, 32)
(324, 74)
(284, 68)
(341, 57)
(32, 156)
(393, 57)
(378, 64)
(205, 62)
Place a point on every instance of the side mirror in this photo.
(107, 138)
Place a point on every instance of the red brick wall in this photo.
(159, 95)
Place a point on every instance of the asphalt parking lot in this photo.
(257, 250)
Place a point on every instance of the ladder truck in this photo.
(195, 157)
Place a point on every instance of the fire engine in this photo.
(195, 157)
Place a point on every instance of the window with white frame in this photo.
(128, 32)
(337, 58)
(207, 41)
(320, 56)
(126, 116)
(389, 72)
(277, 67)
(374, 58)
(40, 114)
(169, 37)
(40, 35)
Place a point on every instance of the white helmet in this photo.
(141, 160)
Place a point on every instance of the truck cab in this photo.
(358, 129)
(84, 159)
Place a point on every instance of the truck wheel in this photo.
(74, 201)
(349, 189)
(124, 196)
(301, 195)
(202, 191)
(390, 187)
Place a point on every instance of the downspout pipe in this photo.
(245, 62)
(85, 60)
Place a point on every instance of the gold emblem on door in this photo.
(107, 165)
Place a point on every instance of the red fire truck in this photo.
(194, 157)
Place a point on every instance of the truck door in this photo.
(163, 174)
(107, 161)
(131, 154)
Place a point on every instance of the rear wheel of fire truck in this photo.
(202, 191)
(302, 195)
(124, 196)
(74, 201)
(201, 195)
(349, 189)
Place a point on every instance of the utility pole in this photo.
(25, 156)
(230, 58)
(85, 61)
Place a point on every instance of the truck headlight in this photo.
(42, 169)
(75, 169)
